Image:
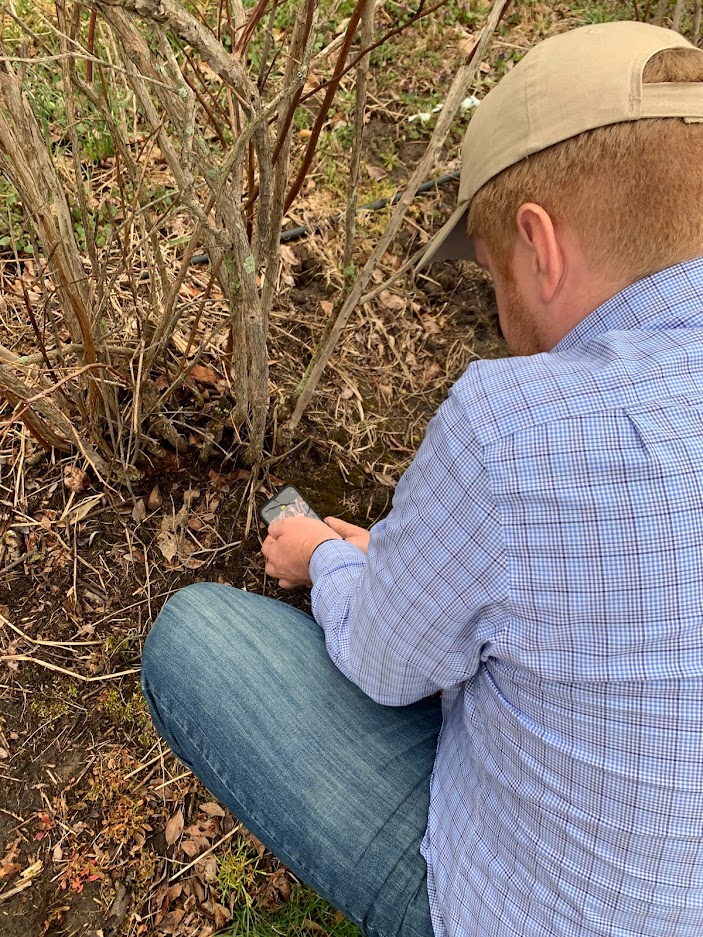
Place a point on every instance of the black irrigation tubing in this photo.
(295, 234)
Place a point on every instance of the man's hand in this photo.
(289, 546)
(350, 532)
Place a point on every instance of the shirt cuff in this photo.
(333, 554)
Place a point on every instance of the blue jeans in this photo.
(242, 689)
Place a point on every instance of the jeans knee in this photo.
(177, 628)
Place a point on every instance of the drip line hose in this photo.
(295, 234)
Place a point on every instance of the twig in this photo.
(179, 777)
(18, 562)
(146, 764)
(678, 15)
(226, 546)
(16, 890)
(362, 71)
(662, 7)
(327, 102)
(43, 59)
(68, 673)
(207, 852)
(31, 640)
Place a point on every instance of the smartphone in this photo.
(288, 502)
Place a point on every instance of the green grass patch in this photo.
(305, 915)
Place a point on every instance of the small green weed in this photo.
(305, 915)
(55, 700)
(239, 875)
(12, 221)
(129, 713)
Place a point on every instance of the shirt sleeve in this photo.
(417, 614)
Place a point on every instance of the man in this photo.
(542, 565)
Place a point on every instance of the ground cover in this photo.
(102, 832)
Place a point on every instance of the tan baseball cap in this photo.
(579, 80)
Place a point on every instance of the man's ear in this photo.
(538, 241)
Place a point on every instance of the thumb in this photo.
(274, 528)
(341, 527)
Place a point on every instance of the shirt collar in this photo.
(671, 298)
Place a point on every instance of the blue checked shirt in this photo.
(543, 566)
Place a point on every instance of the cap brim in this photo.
(451, 242)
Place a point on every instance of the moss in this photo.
(129, 713)
(54, 700)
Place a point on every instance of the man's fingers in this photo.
(274, 530)
(266, 546)
(343, 528)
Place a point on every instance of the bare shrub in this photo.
(210, 98)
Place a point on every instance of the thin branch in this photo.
(26, 658)
(662, 8)
(327, 102)
(358, 141)
(678, 15)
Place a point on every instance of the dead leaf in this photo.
(167, 542)
(191, 848)
(326, 307)
(8, 865)
(139, 511)
(222, 915)
(430, 325)
(207, 867)
(468, 44)
(75, 479)
(376, 173)
(288, 256)
(81, 511)
(171, 922)
(219, 482)
(431, 372)
(212, 809)
(155, 499)
(392, 301)
(205, 829)
(174, 827)
(47, 519)
(190, 562)
(202, 373)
